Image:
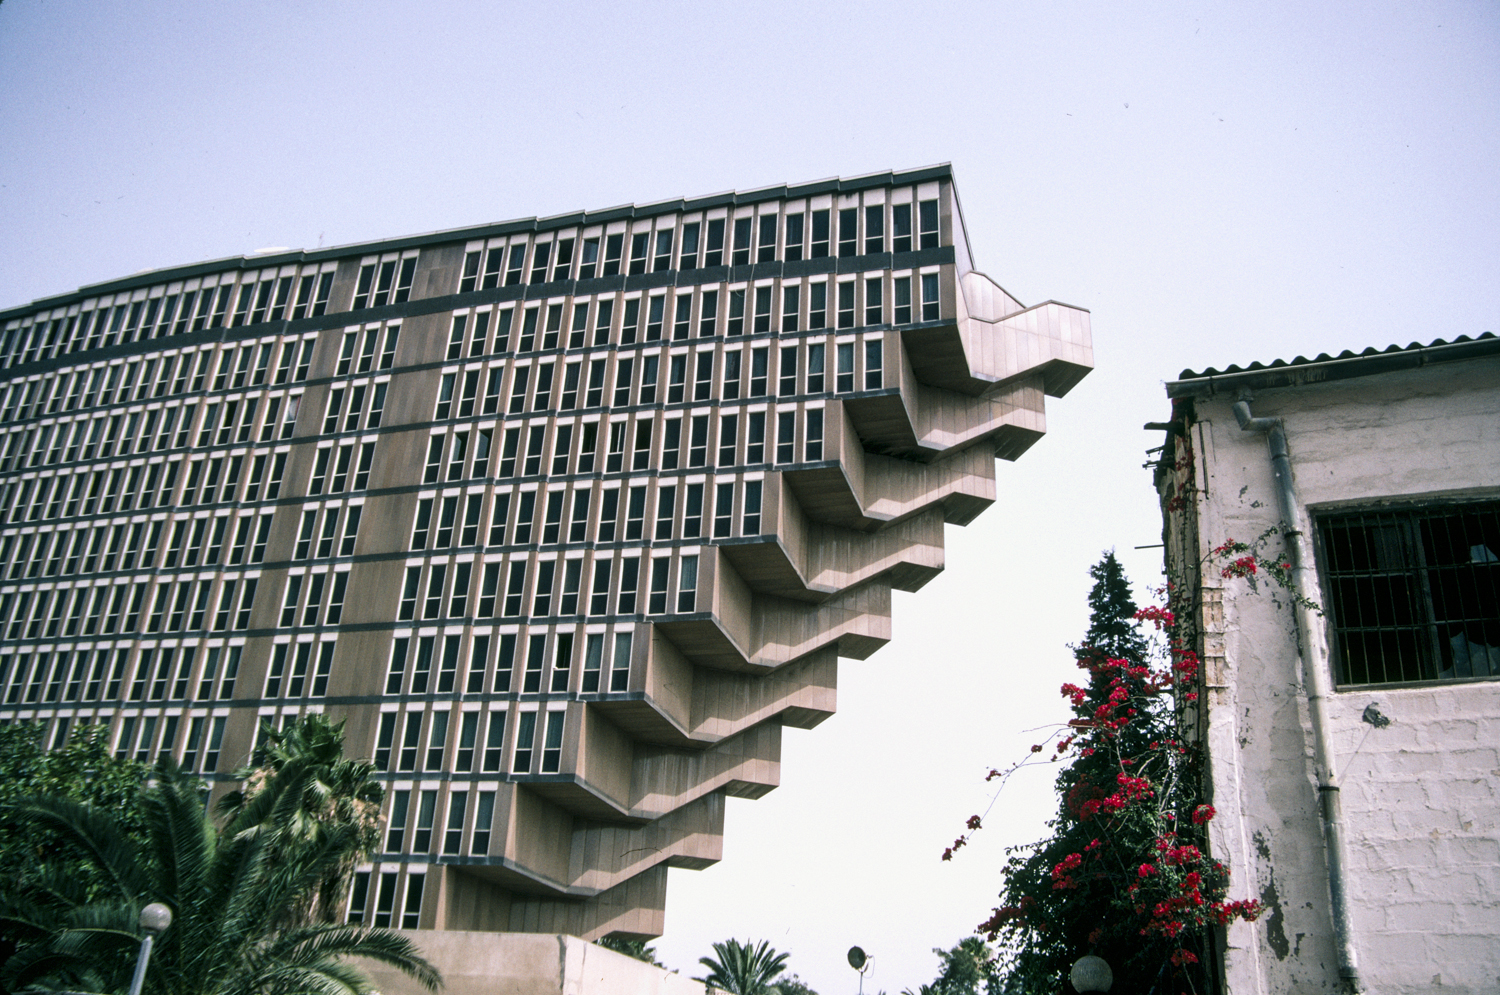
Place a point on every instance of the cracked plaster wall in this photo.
(1421, 797)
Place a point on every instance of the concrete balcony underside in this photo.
(646, 771)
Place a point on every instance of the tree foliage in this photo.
(1125, 873)
(631, 948)
(966, 969)
(743, 969)
(243, 897)
(301, 790)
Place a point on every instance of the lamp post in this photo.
(155, 918)
(860, 961)
(1091, 973)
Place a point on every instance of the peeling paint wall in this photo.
(1421, 796)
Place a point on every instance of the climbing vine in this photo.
(1126, 871)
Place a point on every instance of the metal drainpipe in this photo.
(1316, 686)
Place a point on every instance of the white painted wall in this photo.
(1421, 797)
(529, 964)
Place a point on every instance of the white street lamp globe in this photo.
(1091, 974)
(155, 918)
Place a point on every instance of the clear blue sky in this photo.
(1217, 182)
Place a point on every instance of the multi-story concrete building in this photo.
(567, 516)
(1350, 717)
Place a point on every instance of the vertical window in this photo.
(692, 515)
(819, 234)
(630, 567)
(385, 902)
(412, 917)
(815, 368)
(736, 324)
(660, 570)
(874, 378)
(762, 309)
(613, 246)
(751, 525)
(437, 741)
(655, 316)
(552, 745)
(786, 431)
(817, 305)
(846, 304)
(900, 227)
(742, 232)
(723, 510)
(525, 739)
(662, 258)
(494, 744)
(714, 246)
(813, 445)
(708, 313)
(901, 300)
(484, 817)
(687, 584)
(671, 446)
(453, 836)
(930, 300)
(927, 216)
(794, 237)
(767, 240)
(759, 364)
(875, 228)
(874, 311)
(698, 442)
(787, 385)
(849, 232)
(728, 438)
(666, 508)
(755, 438)
(599, 598)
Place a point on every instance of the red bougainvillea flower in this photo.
(1202, 814)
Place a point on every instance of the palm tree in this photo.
(302, 789)
(741, 969)
(235, 898)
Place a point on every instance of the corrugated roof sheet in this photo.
(1323, 357)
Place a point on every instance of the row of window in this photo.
(761, 235)
(690, 312)
(679, 510)
(290, 292)
(234, 421)
(249, 365)
(381, 907)
(133, 545)
(423, 739)
(548, 662)
(195, 740)
(215, 480)
(177, 605)
(624, 381)
(85, 674)
(594, 585)
(411, 818)
(641, 442)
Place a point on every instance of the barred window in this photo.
(1414, 594)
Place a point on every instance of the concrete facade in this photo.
(529, 964)
(1407, 432)
(568, 517)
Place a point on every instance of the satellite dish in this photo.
(857, 958)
